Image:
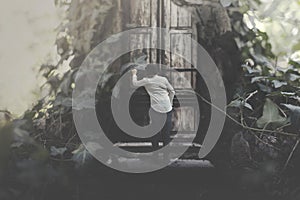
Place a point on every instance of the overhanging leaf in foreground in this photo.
(271, 116)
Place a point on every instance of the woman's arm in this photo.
(135, 82)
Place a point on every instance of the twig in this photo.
(281, 127)
(243, 104)
(291, 154)
(69, 141)
(250, 96)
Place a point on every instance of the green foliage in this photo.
(266, 108)
(271, 116)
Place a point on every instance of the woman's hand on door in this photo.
(133, 71)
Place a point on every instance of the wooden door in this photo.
(178, 21)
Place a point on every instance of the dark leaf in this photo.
(264, 88)
(295, 115)
(238, 103)
(278, 84)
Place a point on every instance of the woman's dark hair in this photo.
(152, 69)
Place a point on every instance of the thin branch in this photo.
(291, 154)
(251, 95)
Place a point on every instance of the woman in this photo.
(161, 98)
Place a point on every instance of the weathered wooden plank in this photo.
(184, 119)
(141, 13)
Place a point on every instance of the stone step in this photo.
(135, 163)
(146, 147)
(149, 144)
(180, 171)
